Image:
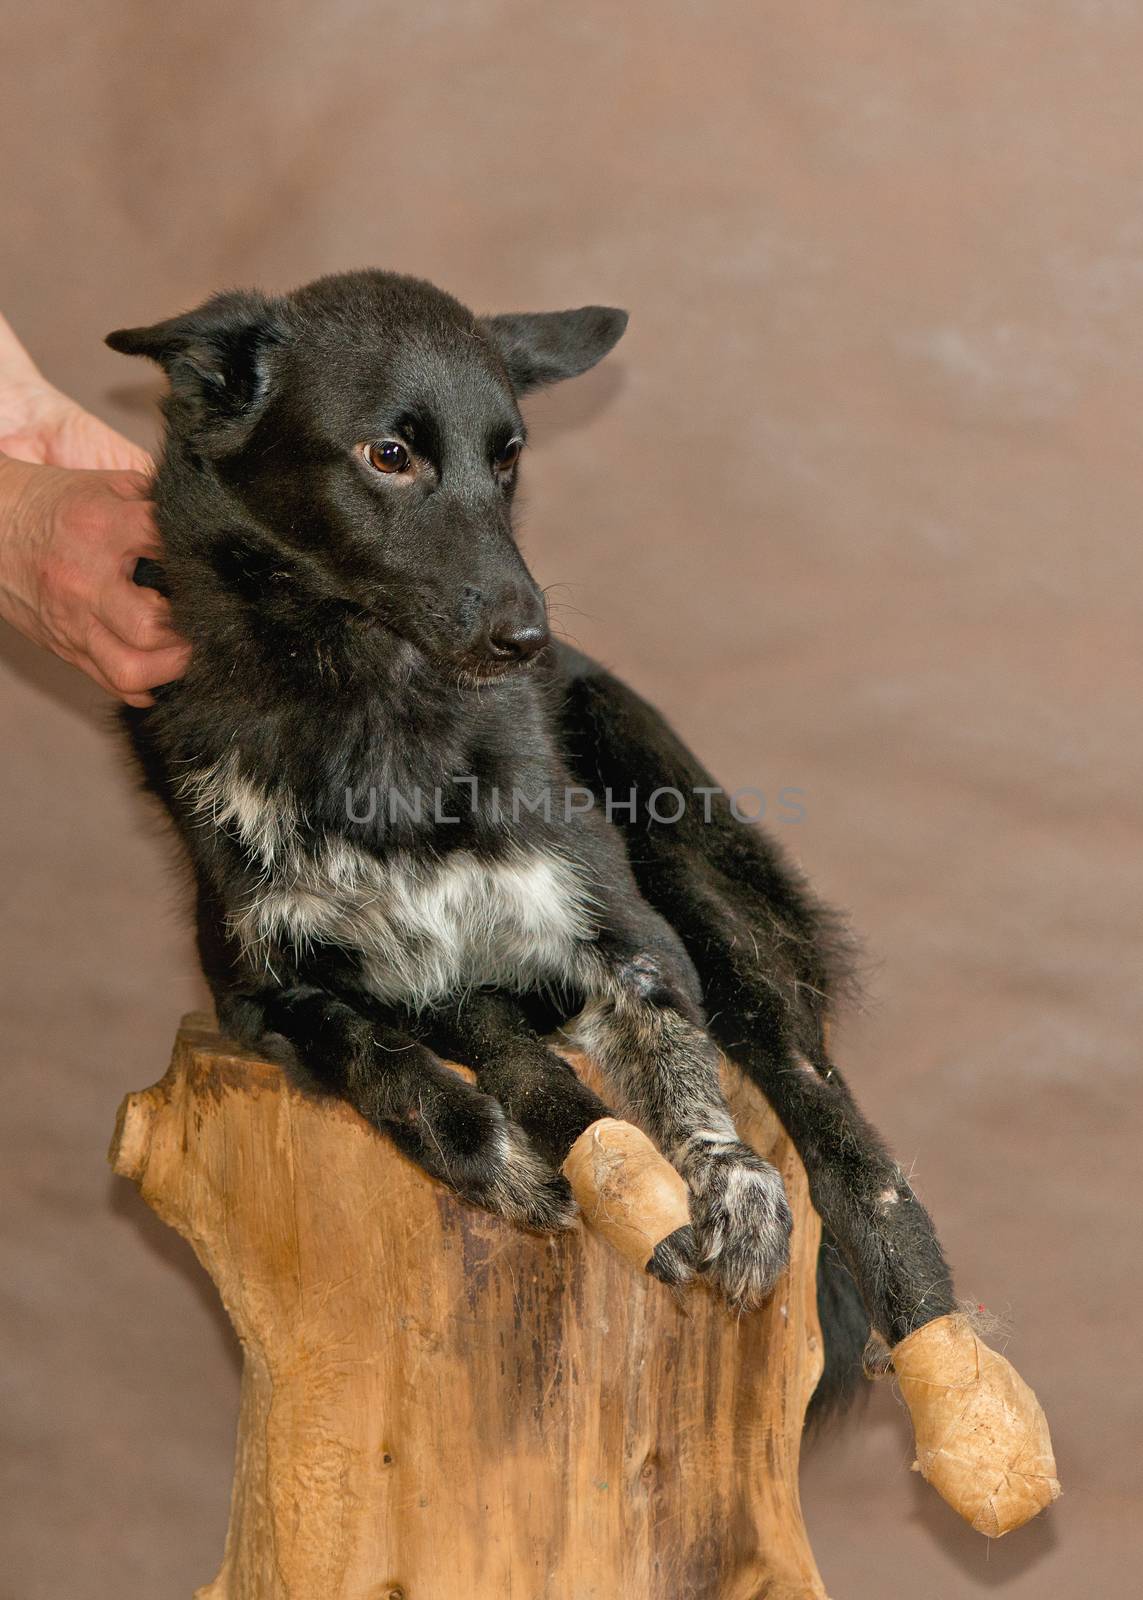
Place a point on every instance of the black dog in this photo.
(381, 766)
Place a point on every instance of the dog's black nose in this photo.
(516, 641)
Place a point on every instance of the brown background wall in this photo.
(857, 502)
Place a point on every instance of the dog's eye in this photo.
(504, 460)
(388, 455)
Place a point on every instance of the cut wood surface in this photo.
(436, 1406)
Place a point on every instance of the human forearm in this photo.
(39, 423)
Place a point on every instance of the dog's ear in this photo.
(219, 360)
(545, 346)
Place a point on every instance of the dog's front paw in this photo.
(520, 1185)
(465, 1139)
(742, 1222)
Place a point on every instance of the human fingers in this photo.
(131, 673)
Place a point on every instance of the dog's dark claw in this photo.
(673, 1258)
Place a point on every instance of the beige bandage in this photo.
(625, 1189)
(982, 1437)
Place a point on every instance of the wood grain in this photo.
(436, 1406)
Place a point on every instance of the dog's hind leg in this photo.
(881, 1228)
(455, 1131)
(770, 963)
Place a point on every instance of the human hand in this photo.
(39, 424)
(69, 541)
(70, 536)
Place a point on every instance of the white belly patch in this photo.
(427, 929)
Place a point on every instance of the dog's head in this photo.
(369, 426)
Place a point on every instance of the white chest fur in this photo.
(425, 930)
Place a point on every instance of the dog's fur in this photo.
(372, 679)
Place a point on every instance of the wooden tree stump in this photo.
(436, 1406)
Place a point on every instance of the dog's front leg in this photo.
(489, 1031)
(644, 1026)
(459, 1134)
